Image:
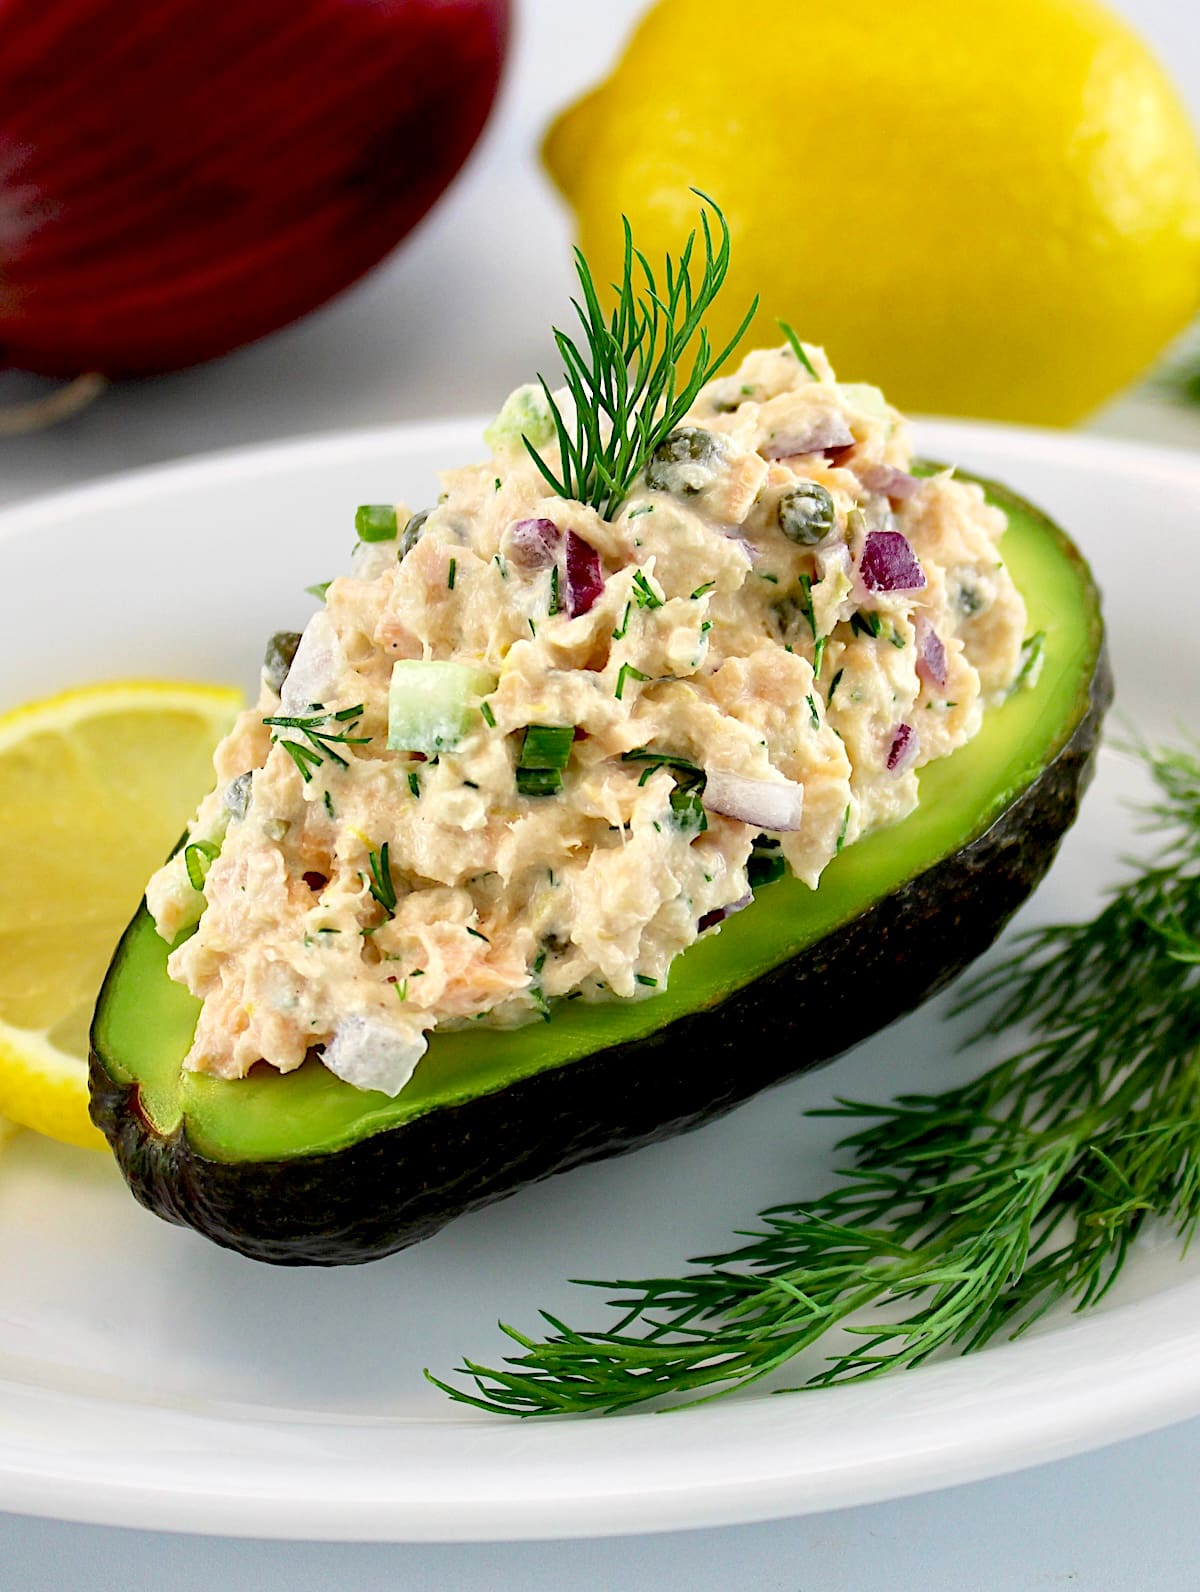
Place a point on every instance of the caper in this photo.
(281, 649)
(807, 514)
(667, 470)
(237, 795)
(411, 534)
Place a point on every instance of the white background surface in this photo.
(446, 328)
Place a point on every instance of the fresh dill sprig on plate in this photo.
(964, 1214)
(320, 741)
(627, 382)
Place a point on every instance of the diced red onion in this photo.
(902, 753)
(931, 653)
(824, 431)
(774, 805)
(585, 579)
(371, 1054)
(316, 668)
(888, 481)
(719, 914)
(533, 544)
(888, 563)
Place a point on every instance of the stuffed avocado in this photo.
(753, 730)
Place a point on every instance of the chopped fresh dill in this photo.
(866, 623)
(813, 714)
(841, 839)
(798, 349)
(819, 642)
(646, 508)
(645, 594)
(1033, 652)
(381, 886)
(630, 382)
(319, 742)
(414, 782)
(554, 604)
(328, 800)
(836, 681)
(619, 634)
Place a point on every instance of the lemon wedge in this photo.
(96, 786)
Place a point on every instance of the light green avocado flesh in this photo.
(144, 1023)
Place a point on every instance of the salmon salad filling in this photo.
(524, 753)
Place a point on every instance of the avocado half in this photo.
(303, 1169)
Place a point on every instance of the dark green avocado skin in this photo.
(401, 1185)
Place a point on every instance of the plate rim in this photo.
(641, 1496)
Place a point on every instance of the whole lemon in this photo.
(988, 209)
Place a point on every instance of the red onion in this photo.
(888, 563)
(179, 178)
(774, 805)
(585, 579)
(888, 481)
(931, 653)
(902, 753)
(719, 914)
(533, 544)
(825, 431)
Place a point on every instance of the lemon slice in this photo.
(96, 785)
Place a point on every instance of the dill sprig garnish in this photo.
(319, 741)
(964, 1214)
(627, 381)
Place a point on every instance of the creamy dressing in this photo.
(779, 626)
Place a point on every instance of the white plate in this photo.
(150, 1379)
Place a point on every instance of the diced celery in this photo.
(868, 399)
(433, 705)
(524, 413)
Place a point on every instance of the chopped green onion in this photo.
(414, 784)
(328, 799)
(702, 591)
(646, 508)
(619, 635)
(451, 572)
(555, 603)
(319, 590)
(812, 708)
(866, 624)
(489, 718)
(644, 978)
(837, 680)
(538, 781)
(547, 746)
(376, 522)
(198, 858)
(477, 935)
